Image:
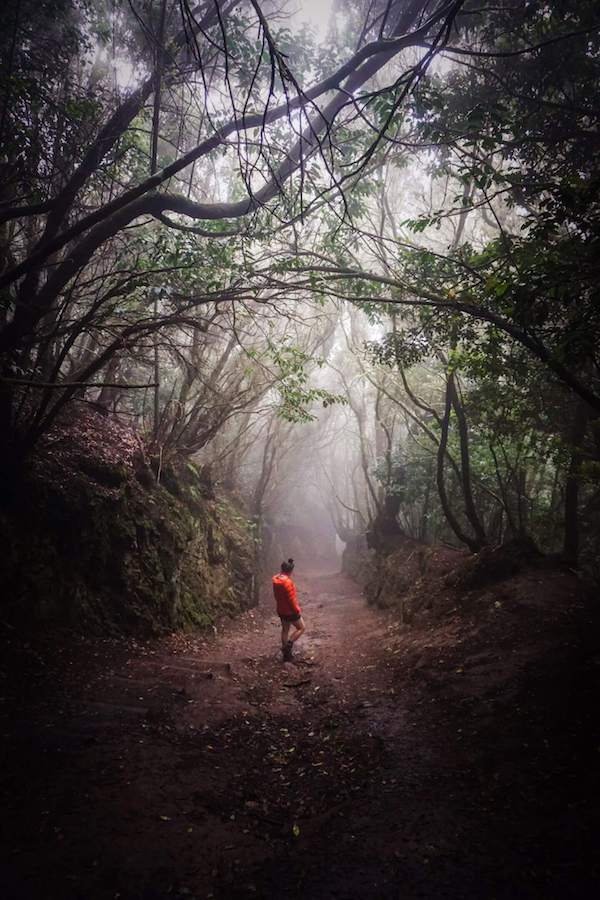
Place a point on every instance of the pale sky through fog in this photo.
(313, 12)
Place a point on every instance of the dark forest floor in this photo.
(455, 760)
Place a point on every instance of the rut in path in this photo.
(191, 767)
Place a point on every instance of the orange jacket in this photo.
(285, 595)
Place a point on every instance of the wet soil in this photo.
(455, 759)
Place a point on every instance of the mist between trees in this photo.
(354, 278)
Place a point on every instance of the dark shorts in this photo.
(295, 617)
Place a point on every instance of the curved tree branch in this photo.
(354, 73)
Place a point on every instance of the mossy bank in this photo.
(93, 541)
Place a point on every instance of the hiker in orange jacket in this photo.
(288, 609)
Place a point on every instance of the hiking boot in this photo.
(287, 651)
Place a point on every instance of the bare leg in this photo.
(285, 631)
(300, 629)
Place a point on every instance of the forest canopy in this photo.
(372, 238)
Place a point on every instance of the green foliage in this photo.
(297, 398)
(519, 128)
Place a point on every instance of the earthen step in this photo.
(186, 670)
(133, 682)
(213, 665)
(99, 708)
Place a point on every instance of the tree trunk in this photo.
(453, 522)
(465, 464)
(571, 537)
(423, 529)
(158, 68)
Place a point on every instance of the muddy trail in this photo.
(380, 763)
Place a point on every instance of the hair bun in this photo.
(291, 561)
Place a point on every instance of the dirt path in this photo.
(206, 768)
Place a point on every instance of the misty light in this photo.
(316, 13)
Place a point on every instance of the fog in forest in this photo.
(311, 281)
(365, 341)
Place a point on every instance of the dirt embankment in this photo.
(92, 540)
(455, 758)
